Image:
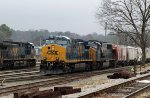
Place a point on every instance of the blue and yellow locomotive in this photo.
(62, 54)
(16, 55)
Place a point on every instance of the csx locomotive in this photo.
(61, 54)
(16, 55)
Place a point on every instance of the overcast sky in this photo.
(77, 16)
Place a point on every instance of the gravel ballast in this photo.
(87, 85)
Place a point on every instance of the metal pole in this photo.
(106, 31)
(40, 41)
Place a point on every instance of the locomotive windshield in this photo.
(62, 42)
(50, 41)
(58, 40)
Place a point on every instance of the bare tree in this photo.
(131, 17)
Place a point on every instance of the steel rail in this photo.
(138, 92)
(25, 76)
(19, 70)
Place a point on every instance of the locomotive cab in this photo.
(53, 55)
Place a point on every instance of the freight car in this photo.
(16, 55)
(117, 54)
(62, 54)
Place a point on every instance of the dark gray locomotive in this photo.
(16, 55)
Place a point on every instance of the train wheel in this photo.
(124, 64)
(87, 67)
(66, 69)
(33, 63)
(99, 66)
(12, 65)
(72, 68)
(114, 64)
(91, 66)
(28, 64)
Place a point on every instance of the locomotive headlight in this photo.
(45, 58)
(53, 48)
(57, 58)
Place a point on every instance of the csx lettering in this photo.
(52, 52)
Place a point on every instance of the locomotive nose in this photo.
(53, 53)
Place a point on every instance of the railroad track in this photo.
(24, 75)
(140, 89)
(19, 70)
(53, 81)
(32, 75)
(20, 74)
(128, 89)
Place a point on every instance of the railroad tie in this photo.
(56, 93)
